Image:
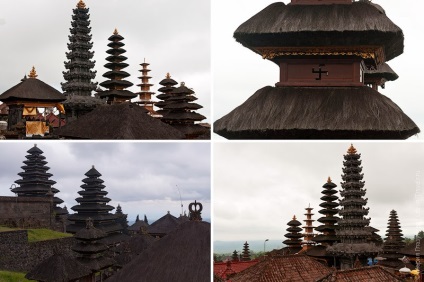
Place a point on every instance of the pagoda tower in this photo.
(246, 252)
(323, 48)
(122, 219)
(116, 83)
(168, 86)
(293, 237)
(393, 243)
(90, 249)
(235, 256)
(35, 181)
(329, 210)
(93, 204)
(145, 94)
(309, 235)
(182, 115)
(79, 66)
(352, 234)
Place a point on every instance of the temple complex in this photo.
(93, 204)
(323, 49)
(145, 95)
(116, 83)
(329, 210)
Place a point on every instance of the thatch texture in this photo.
(364, 274)
(58, 268)
(382, 71)
(183, 255)
(316, 113)
(131, 248)
(32, 89)
(118, 121)
(360, 23)
(163, 225)
(283, 268)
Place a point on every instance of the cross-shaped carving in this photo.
(319, 71)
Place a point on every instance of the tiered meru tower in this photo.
(293, 237)
(116, 83)
(393, 243)
(308, 236)
(323, 48)
(168, 86)
(35, 181)
(181, 112)
(93, 204)
(329, 210)
(145, 94)
(246, 252)
(79, 66)
(352, 234)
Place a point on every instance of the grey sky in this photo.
(239, 72)
(173, 36)
(141, 177)
(259, 187)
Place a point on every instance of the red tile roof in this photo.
(363, 274)
(222, 269)
(293, 268)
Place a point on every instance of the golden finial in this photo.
(168, 75)
(294, 217)
(32, 73)
(351, 150)
(81, 4)
(329, 180)
(115, 31)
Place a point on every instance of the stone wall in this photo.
(26, 212)
(16, 254)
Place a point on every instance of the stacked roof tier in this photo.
(168, 86)
(116, 83)
(329, 210)
(393, 243)
(294, 235)
(309, 235)
(145, 94)
(79, 66)
(246, 252)
(93, 204)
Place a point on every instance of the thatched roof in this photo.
(382, 71)
(357, 24)
(32, 89)
(182, 255)
(163, 225)
(316, 113)
(283, 268)
(138, 225)
(413, 250)
(131, 248)
(363, 274)
(118, 121)
(58, 268)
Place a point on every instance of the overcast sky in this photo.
(141, 177)
(173, 36)
(258, 188)
(239, 72)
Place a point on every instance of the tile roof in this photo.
(222, 269)
(293, 268)
(363, 274)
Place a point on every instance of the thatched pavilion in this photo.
(323, 49)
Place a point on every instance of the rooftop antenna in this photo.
(180, 200)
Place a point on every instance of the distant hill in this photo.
(222, 247)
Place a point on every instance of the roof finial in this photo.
(32, 73)
(35, 145)
(294, 217)
(168, 75)
(182, 83)
(92, 166)
(329, 179)
(115, 31)
(81, 4)
(351, 150)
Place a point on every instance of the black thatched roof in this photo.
(316, 113)
(163, 225)
(138, 225)
(182, 255)
(118, 121)
(32, 89)
(131, 248)
(382, 71)
(58, 268)
(358, 24)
